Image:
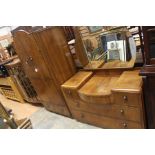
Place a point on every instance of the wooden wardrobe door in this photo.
(55, 51)
(36, 69)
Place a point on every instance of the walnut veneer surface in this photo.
(48, 63)
(94, 64)
(119, 64)
(129, 81)
(77, 80)
(106, 100)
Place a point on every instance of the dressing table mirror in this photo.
(105, 47)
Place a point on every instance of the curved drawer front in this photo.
(113, 110)
(96, 99)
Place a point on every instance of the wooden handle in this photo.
(125, 98)
(125, 125)
(122, 111)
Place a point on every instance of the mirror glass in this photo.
(108, 47)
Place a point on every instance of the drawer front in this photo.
(119, 111)
(96, 99)
(129, 99)
(114, 111)
(59, 109)
(71, 96)
(104, 122)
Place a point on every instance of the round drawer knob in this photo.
(125, 125)
(125, 98)
(36, 70)
(122, 111)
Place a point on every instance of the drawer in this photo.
(111, 110)
(59, 109)
(70, 97)
(104, 122)
(119, 111)
(130, 99)
(70, 93)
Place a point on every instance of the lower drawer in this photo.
(104, 122)
(109, 110)
(62, 110)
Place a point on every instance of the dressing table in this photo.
(106, 94)
(106, 99)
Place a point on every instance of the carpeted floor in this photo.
(43, 119)
(20, 110)
(40, 117)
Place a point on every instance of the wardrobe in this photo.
(48, 63)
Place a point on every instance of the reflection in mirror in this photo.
(108, 46)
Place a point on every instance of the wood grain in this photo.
(107, 100)
(94, 64)
(117, 64)
(98, 89)
(109, 110)
(79, 48)
(77, 80)
(129, 81)
(104, 122)
(47, 61)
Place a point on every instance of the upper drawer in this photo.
(70, 94)
(130, 99)
(98, 89)
(124, 106)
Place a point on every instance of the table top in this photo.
(77, 80)
(98, 86)
(129, 81)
